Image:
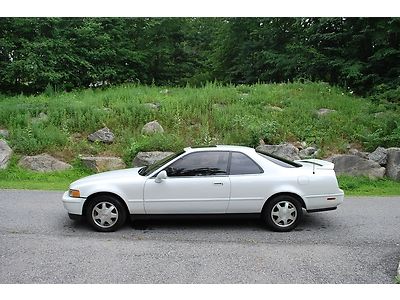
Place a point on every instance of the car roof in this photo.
(219, 148)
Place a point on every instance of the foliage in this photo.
(61, 54)
(157, 142)
(397, 279)
(213, 114)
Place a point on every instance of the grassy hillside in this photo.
(59, 123)
(213, 114)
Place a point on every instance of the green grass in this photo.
(213, 114)
(191, 116)
(397, 279)
(16, 177)
(363, 186)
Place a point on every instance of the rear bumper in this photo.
(324, 202)
(73, 205)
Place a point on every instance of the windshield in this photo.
(150, 169)
(286, 163)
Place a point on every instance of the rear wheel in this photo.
(282, 213)
(106, 213)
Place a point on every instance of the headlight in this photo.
(74, 193)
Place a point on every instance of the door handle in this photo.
(219, 183)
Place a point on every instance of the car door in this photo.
(248, 184)
(197, 183)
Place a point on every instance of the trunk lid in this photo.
(316, 164)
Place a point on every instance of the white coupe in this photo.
(217, 180)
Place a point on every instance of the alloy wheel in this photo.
(284, 213)
(105, 214)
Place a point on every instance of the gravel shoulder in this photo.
(358, 243)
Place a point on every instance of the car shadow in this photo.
(310, 222)
(198, 223)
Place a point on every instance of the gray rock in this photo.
(41, 118)
(4, 133)
(43, 163)
(148, 158)
(324, 111)
(219, 105)
(287, 150)
(300, 145)
(165, 91)
(152, 127)
(5, 154)
(101, 163)
(379, 156)
(393, 163)
(356, 165)
(152, 106)
(274, 108)
(102, 135)
(308, 152)
(243, 96)
(362, 154)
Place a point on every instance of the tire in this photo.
(106, 213)
(282, 213)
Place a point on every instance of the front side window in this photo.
(205, 163)
(150, 169)
(242, 164)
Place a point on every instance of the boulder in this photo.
(148, 158)
(362, 154)
(219, 106)
(41, 118)
(324, 111)
(101, 163)
(300, 145)
(43, 163)
(102, 135)
(287, 150)
(379, 156)
(152, 127)
(4, 133)
(5, 154)
(308, 152)
(152, 106)
(274, 108)
(393, 163)
(356, 165)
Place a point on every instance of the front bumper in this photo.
(73, 205)
(324, 202)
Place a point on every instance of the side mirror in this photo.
(160, 176)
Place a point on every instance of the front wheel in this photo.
(105, 213)
(282, 213)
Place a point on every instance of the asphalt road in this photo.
(358, 243)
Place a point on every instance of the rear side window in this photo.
(242, 164)
(279, 160)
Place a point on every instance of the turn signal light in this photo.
(74, 193)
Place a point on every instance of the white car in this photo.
(218, 180)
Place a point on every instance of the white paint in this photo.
(212, 194)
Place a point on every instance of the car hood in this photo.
(110, 176)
